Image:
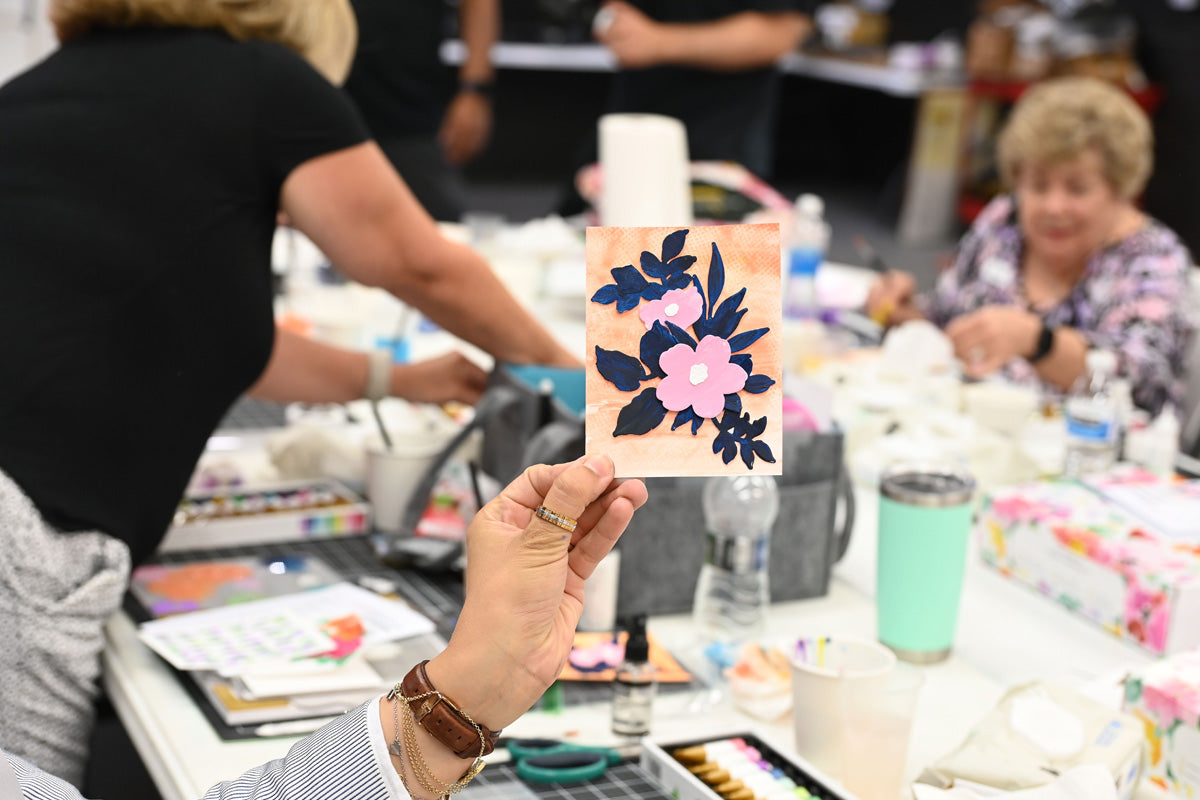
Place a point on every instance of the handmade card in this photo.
(684, 361)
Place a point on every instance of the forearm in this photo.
(1063, 365)
(746, 40)
(302, 370)
(479, 25)
(458, 290)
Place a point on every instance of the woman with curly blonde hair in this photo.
(1066, 262)
(142, 167)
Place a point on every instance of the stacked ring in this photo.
(554, 518)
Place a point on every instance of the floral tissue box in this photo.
(1097, 559)
(1165, 696)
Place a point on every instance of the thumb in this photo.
(575, 488)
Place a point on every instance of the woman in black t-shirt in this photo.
(141, 169)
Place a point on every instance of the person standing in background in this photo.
(427, 126)
(1168, 31)
(708, 64)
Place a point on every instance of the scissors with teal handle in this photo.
(552, 761)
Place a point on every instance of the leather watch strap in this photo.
(439, 716)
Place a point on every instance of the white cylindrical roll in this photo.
(644, 169)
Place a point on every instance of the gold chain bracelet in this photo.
(420, 768)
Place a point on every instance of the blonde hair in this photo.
(1057, 120)
(324, 32)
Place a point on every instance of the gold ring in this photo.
(554, 518)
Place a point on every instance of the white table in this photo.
(1007, 635)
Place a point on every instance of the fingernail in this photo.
(601, 465)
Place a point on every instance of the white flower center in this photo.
(672, 309)
(699, 374)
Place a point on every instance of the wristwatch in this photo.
(1045, 343)
(482, 88)
(443, 719)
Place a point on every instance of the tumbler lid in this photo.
(928, 485)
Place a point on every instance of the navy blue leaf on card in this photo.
(716, 275)
(681, 335)
(700, 290)
(624, 372)
(606, 294)
(743, 360)
(747, 453)
(720, 440)
(763, 451)
(730, 451)
(733, 402)
(653, 291)
(655, 342)
(679, 281)
(684, 417)
(652, 266)
(629, 279)
(727, 316)
(680, 265)
(673, 244)
(757, 427)
(628, 302)
(744, 340)
(696, 423)
(757, 384)
(643, 414)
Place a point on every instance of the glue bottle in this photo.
(732, 593)
(634, 684)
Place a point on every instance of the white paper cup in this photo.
(822, 670)
(392, 475)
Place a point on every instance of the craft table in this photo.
(1007, 635)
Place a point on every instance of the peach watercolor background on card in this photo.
(751, 255)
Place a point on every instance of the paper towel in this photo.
(644, 163)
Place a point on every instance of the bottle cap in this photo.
(637, 646)
(810, 205)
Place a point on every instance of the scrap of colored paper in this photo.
(595, 657)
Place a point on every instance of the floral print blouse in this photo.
(1133, 299)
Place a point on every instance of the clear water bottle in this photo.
(806, 244)
(1092, 416)
(732, 593)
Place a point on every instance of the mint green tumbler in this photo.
(924, 525)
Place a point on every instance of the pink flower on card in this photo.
(680, 307)
(699, 378)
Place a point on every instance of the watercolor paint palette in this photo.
(288, 511)
(737, 767)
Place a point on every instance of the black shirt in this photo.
(729, 115)
(398, 79)
(140, 173)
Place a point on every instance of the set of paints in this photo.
(277, 512)
(740, 767)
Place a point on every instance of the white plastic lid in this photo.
(1102, 361)
(810, 205)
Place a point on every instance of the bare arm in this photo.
(467, 124)
(479, 23)
(354, 206)
(307, 371)
(745, 40)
